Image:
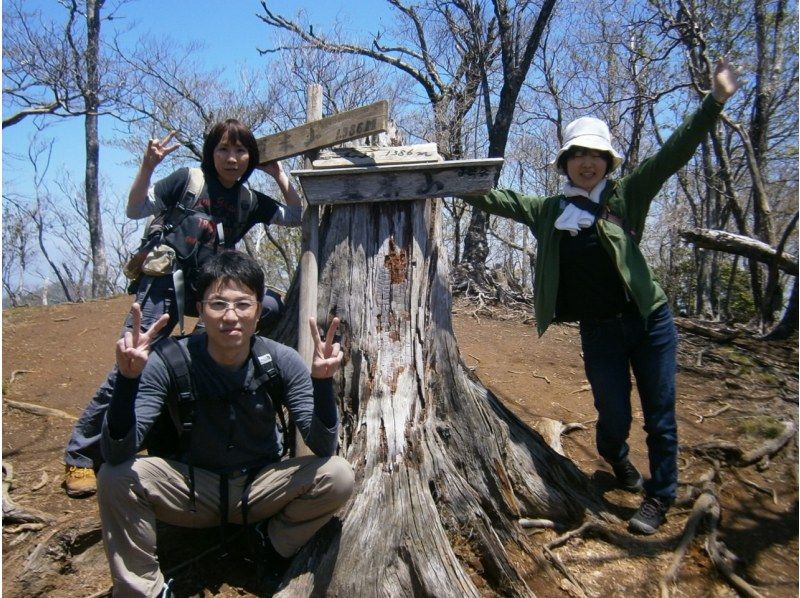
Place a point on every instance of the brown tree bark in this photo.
(443, 470)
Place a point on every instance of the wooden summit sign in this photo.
(394, 182)
(325, 132)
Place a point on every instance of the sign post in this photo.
(359, 175)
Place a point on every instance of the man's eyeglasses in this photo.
(220, 306)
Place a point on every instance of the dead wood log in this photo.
(38, 409)
(23, 527)
(444, 471)
(721, 336)
(57, 552)
(720, 240)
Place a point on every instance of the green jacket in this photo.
(628, 198)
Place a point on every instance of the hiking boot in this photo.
(651, 514)
(628, 477)
(271, 565)
(79, 481)
(166, 590)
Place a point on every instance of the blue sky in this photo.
(231, 33)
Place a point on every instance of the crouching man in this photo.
(228, 466)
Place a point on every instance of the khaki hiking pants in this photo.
(298, 495)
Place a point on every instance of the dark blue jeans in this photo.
(156, 296)
(648, 347)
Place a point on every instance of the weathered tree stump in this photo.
(444, 471)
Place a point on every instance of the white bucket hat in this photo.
(591, 133)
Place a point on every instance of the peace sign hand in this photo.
(327, 355)
(134, 346)
(157, 150)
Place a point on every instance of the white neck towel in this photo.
(573, 218)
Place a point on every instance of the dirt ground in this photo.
(737, 391)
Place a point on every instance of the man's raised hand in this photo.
(134, 346)
(327, 354)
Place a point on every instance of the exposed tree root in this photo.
(706, 512)
(12, 512)
(731, 451)
(15, 373)
(38, 409)
(591, 527)
(771, 492)
(552, 430)
(724, 560)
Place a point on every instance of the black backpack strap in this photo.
(267, 374)
(584, 203)
(598, 211)
(182, 399)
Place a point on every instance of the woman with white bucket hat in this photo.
(589, 269)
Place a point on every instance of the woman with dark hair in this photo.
(214, 211)
(589, 269)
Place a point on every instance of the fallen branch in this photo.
(41, 483)
(716, 335)
(38, 409)
(545, 378)
(23, 527)
(753, 249)
(583, 388)
(719, 411)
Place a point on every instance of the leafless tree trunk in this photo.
(519, 43)
(787, 326)
(89, 85)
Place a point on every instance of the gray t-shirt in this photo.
(234, 429)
